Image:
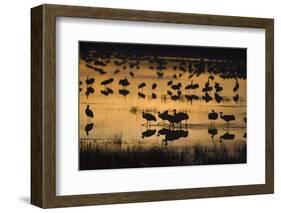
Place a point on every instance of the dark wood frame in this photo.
(43, 105)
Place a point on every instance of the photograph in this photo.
(152, 105)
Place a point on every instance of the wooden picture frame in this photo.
(43, 105)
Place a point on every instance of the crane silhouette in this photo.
(236, 98)
(90, 81)
(160, 74)
(148, 117)
(227, 118)
(169, 83)
(90, 90)
(212, 132)
(88, 128)
(106, 82)
(141, 86)
(164, 115)
(148, 133)
(218, 98)
(131, 74)
(227, 136)
(218, 88)
(89, 112)
(124, 82)
(236, 86)
(154, 96)
(176, 86)
(212, 116)
(180, 116)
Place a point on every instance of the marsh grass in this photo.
(112, 155)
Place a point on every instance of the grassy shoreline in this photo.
(115, 155)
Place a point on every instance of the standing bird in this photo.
(169, 83)
(116, 71)
(90, 81)
(180, 116)
(218, 87)
(124, 82)
(90, 90)
(88, 128)
(106, 82)
(236, 98)
(148, 117)
(89, 112)
(218, 98)
(236, 87)
(212, 116)
(141, 86)
(132, 74)
(159, 74)
(195, 86)
(164, 115)
(227, 118)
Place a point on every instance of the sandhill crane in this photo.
(175, 97)
(227, 118)
(124, 92)
(169, 83)
(195, 86)
(154, 85)
(89, 112)
(236, 87)
(99, 70)
(207, 84)
(141, 95)
(90, 90)
(160, 74)
(89, 66)
(236, 98)
(169, 92)
(141, 86)
(88, 128)
(148, 133)
(116, 71)
(148, 117)
(176, 86)
(131, 74)
(212, 116)
(124, 82)
(207, 89)
(207, 97)
(90, 81)
(173, 135)
(180, 116)
(189, 86)
(218, 87)
(218, 98)
(106, 82)
(164, 115)
(104, 92)
(163, 131)
(212, 132)
(227, 136)
(110, 91)
(80, 83)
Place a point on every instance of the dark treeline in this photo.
(229, 62)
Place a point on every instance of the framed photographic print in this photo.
(137, 106)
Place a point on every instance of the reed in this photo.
(113, 155)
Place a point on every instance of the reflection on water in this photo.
(146, 105)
